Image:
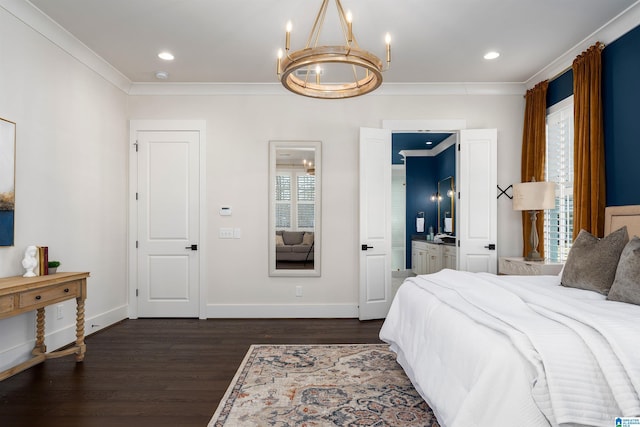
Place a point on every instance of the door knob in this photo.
(365, 247)
(192, 247)
(491, 246)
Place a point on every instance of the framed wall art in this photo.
(7, 181)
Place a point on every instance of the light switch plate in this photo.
(225, 233)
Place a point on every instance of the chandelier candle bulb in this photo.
(350, 25)
(387, 40)
(279, 67)
(287, 43)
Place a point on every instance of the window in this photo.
(306, 201)
(558, 222)
(283, 201)
(298, 214)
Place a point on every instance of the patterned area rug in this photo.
(321, 385)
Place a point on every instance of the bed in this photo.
(487, 350)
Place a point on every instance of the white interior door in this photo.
(477, 204)
(168, 223)
(375, 223)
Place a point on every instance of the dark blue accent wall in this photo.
(422, 176)
(421, 184)
(621, 116)
(446, 163)
(560, 88)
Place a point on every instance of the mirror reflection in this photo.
(446, 215)
(294, 206)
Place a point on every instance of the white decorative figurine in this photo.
(30, 262)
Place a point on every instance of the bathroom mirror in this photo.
(294, 208)
(446, 215)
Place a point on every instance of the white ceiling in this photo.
(235, 41)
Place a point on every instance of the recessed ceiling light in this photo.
(429, 142)
(491, 55)
(162, 75)
(167, 56)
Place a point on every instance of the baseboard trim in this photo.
(235, 311)
(61, 337)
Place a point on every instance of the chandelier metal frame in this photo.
(312, 57)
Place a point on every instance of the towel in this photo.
(420, 225)
(448, 225)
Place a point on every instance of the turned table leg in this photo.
(40, 347)
(80, 329)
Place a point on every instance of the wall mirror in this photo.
(446, 215)
(294, 208)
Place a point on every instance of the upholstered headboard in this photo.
(618, 216)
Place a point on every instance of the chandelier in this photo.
(330, 72)
(309, 168)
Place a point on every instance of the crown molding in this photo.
(462, 88)
(38, 21)
(626, 21)
(387, 89)
(184, 88)
(430, 152)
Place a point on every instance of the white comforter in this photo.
(486, 350)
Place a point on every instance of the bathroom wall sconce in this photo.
(436, 197)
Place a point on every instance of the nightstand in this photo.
(518, 266)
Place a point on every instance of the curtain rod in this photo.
(558, 74)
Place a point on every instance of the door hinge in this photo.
(136, 292)
(135, 144)
(458, 243)
(136, 244)
(136, 196)
(458, 148)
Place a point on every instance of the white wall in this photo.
(71, 180)
(238, 131)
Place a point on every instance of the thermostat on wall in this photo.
(225, 210)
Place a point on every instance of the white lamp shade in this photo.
(534, 196)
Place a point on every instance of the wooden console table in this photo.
(21, 294)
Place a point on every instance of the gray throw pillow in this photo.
(292, 237)
(626, 286)
(592, 262)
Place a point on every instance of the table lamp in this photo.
(534, 196)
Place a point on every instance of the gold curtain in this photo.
(534, 140)
(588, 148)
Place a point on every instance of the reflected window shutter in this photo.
(283, 201)
(306, 195)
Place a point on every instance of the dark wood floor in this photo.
(156, 372)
